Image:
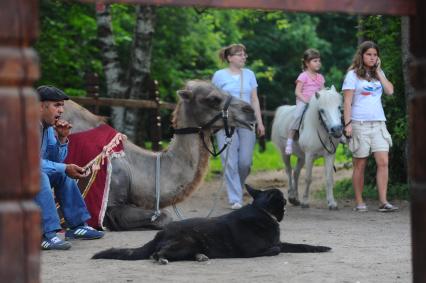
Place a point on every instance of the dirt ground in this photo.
(367, 247)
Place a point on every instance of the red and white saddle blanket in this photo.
(94, 149)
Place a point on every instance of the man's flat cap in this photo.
(51, 93)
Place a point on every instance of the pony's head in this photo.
(329, 107)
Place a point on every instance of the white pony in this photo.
(319, 134)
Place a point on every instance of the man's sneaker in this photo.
(236, 206)
(83, 232)
(362, 207)
(54, 243)
(387, 207)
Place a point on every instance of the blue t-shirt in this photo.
(231, 84)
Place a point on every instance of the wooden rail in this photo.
(128, 103)
(135, 103)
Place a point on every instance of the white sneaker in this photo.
(236, 206)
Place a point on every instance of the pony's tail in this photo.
(143, 252)
(302, 248)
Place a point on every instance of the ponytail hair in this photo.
(231, 50)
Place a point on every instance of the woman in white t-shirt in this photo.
(365, 121)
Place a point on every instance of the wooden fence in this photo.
(154, 104)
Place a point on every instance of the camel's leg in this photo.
(128, 217)
(309, 164)
(329, 163)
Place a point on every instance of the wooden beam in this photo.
(388, 7)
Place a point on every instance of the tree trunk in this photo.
(406, 56)
(116, 88)
(406, 61)
(140, 66)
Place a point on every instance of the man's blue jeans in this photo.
(67, 195)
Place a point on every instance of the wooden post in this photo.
(92, 88)
(19, 143)
(417, 142)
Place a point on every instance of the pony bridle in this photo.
(329, 134)
(229, 131)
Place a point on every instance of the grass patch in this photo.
(343, 190)
(270, 159)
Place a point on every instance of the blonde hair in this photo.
(358, 62)
(231, 50)
(309, 55)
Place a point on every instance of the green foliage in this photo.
(186, 44)
(67, 44)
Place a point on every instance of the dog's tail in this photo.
(143, 252)
(302, 248)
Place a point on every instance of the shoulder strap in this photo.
(242, 83)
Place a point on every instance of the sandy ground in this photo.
(367, 247)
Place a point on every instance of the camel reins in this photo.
(229, 131)
(197, 130)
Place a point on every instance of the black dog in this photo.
(248, 232)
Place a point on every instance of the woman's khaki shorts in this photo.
(368, 137)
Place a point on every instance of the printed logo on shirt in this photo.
(369, 90)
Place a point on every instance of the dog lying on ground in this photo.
(251, 231)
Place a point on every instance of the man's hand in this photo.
(62, 129)
(75, 171)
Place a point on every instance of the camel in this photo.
(184, 163)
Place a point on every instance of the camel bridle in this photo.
(229, 131)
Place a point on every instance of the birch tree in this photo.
(140, 66)
(129, 83)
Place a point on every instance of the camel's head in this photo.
(329, 107)
(201, 102)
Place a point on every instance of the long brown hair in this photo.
(231, 50)
(358, 63)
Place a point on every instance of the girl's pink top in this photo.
(311, 84)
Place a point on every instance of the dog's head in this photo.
(271, 200)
